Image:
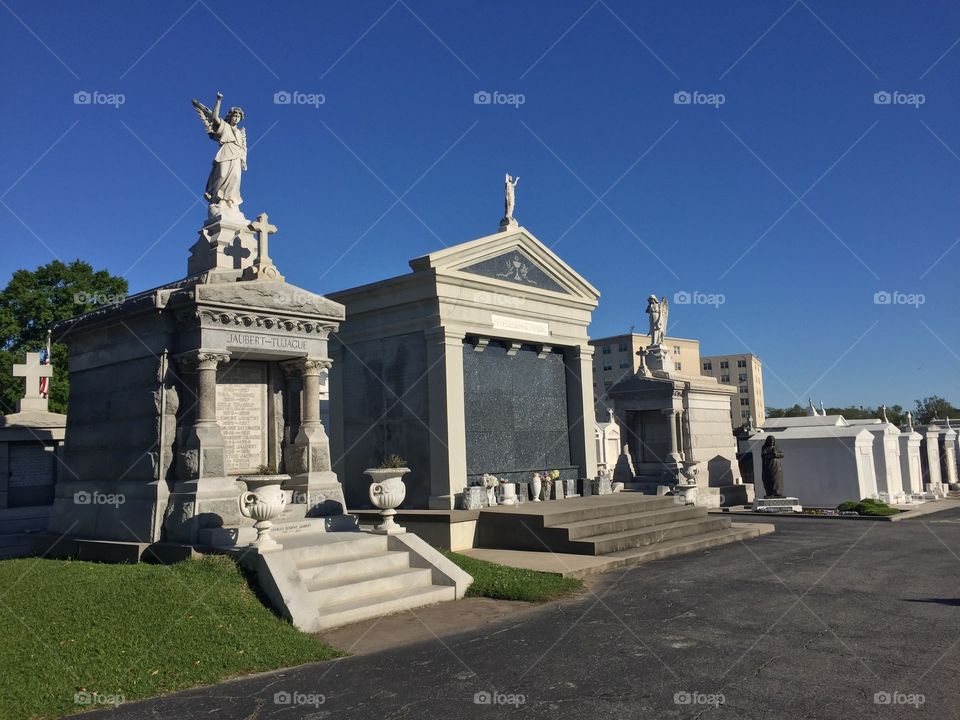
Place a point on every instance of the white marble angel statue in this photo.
(659, 311)
(223, 184)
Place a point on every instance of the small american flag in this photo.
(45, 360)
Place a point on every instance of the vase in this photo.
(491, 496)
(508, 494)
(262, 502)
(387, 491)
(535, 485)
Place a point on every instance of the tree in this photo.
(934, 407)
(31, 302)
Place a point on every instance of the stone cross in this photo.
(32, 370)
(263, 267)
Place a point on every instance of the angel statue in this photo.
(659, 311)
(223, 184)
(509, 196)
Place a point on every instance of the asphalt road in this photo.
(822, 619)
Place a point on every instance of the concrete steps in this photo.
(692, 543)
(603, 526)
(320, 580)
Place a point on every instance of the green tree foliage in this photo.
(31, 302)
(934, 407)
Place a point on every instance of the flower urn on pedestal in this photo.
(263, 501)
(387, 491)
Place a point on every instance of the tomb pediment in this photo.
(515, 257)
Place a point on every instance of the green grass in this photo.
(132, 631)
(868, 507)
(506, 583)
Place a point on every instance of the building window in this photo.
(744, 389)
(607, 365)
(622, 347)
(724, 365)
(744, 414)
(725, 378)
(676, 349)
(741, 363)
(624, 362)
(676, 366)
(742, 377)
(708, 366)
(605, 349)
(745, 402)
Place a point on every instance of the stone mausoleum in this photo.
(475, 362)
(177, 391)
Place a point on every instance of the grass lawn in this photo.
(506, 583)
(126, 632)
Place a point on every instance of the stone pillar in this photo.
(932, 443)
(950, 457)
(448, 438)
(581, 415)
(201, 452)
(673, 457)
(307, 458)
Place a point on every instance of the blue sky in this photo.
(795, 201)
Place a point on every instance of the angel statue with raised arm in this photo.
(223, 184)
(658, 310)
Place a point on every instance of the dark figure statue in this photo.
(772, 469)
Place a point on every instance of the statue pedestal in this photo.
(226, 245)
(659, 360)
(509, 223)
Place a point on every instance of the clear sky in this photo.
(783, 188)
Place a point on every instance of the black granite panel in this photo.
(516, 267)
(385, 409)
(515, 411)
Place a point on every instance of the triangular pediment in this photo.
(512, 256)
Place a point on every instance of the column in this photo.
(201, 453)
(674, 454)
(292, 390)
(307, 458)
(581, 412)
(448, 439)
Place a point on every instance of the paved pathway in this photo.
(813, 621)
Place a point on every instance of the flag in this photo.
(45, 360)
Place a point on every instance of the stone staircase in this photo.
(321, 579)
(626, 526)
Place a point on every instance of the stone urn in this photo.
(387, 491)
(262, 502)
(508, 493)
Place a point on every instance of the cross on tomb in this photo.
(237, 251)
(264, 230)
(32, 370)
